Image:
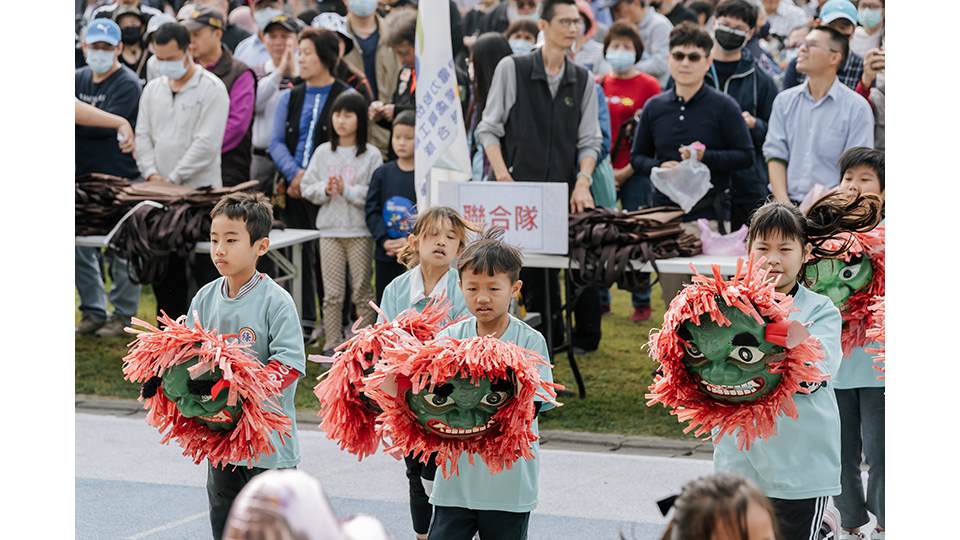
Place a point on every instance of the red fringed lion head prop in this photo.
(452, 396)
(348, 415)
(878, 333)
(730, 358)
(852, 281)
(205, 391)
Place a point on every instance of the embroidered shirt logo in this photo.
(247, 335)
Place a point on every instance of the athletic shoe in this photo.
(830, 526)
(878, 535)
(113, 328)
(640, 314)
(89, 324)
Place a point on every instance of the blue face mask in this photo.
(869, 17)
(173, 69)
(520, 46)
(620, 60)
(363, 8)
(100, 61)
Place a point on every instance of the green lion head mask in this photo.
(731, 363)
(839, 279)
(194, 400)
(459, 408)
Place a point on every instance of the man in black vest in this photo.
(206, 27)
(541, 124)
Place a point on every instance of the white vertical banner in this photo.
(441, 141)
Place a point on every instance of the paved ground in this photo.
(129, 486)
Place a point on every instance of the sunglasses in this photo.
(679, 56)
(521, 4)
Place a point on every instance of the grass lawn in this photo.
(616, 376)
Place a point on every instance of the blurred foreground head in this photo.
(290, 505)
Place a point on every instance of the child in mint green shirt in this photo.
(438, 237)
(798, 468)
(251, 305)
(476, 501)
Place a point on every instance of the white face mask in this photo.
(100, 61)
(362, 8)
(173, 69)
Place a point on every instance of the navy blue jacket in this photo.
(754, 91)
(667, 123)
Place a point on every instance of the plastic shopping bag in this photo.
(684, 184)
(714, 243)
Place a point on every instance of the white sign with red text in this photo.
(533, 214)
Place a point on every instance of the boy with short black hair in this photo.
(260, 312)
(862, 168)
(497, 506)
(392, 189)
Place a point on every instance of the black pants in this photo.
(174, 292)
(385, 272)
(586, 308)
(453, 523)
(421, 511)
(301, 214)
(223, 486)
(799, 519)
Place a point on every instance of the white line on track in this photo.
(167, 526)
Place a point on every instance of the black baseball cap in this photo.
(205, 16)
(288, 23)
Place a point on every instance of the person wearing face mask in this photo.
(371, 55)
(252, 51)
(522, 36)
(868, 35)
(134, 55)
(654, 30)
(840, 15)
(180, 126)
(735, 73)
(111, 87)
(627, 90)
(674, 10)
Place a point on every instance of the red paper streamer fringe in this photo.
(751, 290)
(156, 350)
(345, 417)
(439, 361)
(856, 313)
(878, 333)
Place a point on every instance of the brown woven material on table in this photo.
(96, 208)
(149, 235)
(604, 243)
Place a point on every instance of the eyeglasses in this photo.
(570, 23)
(679, 56)
(814, 45)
